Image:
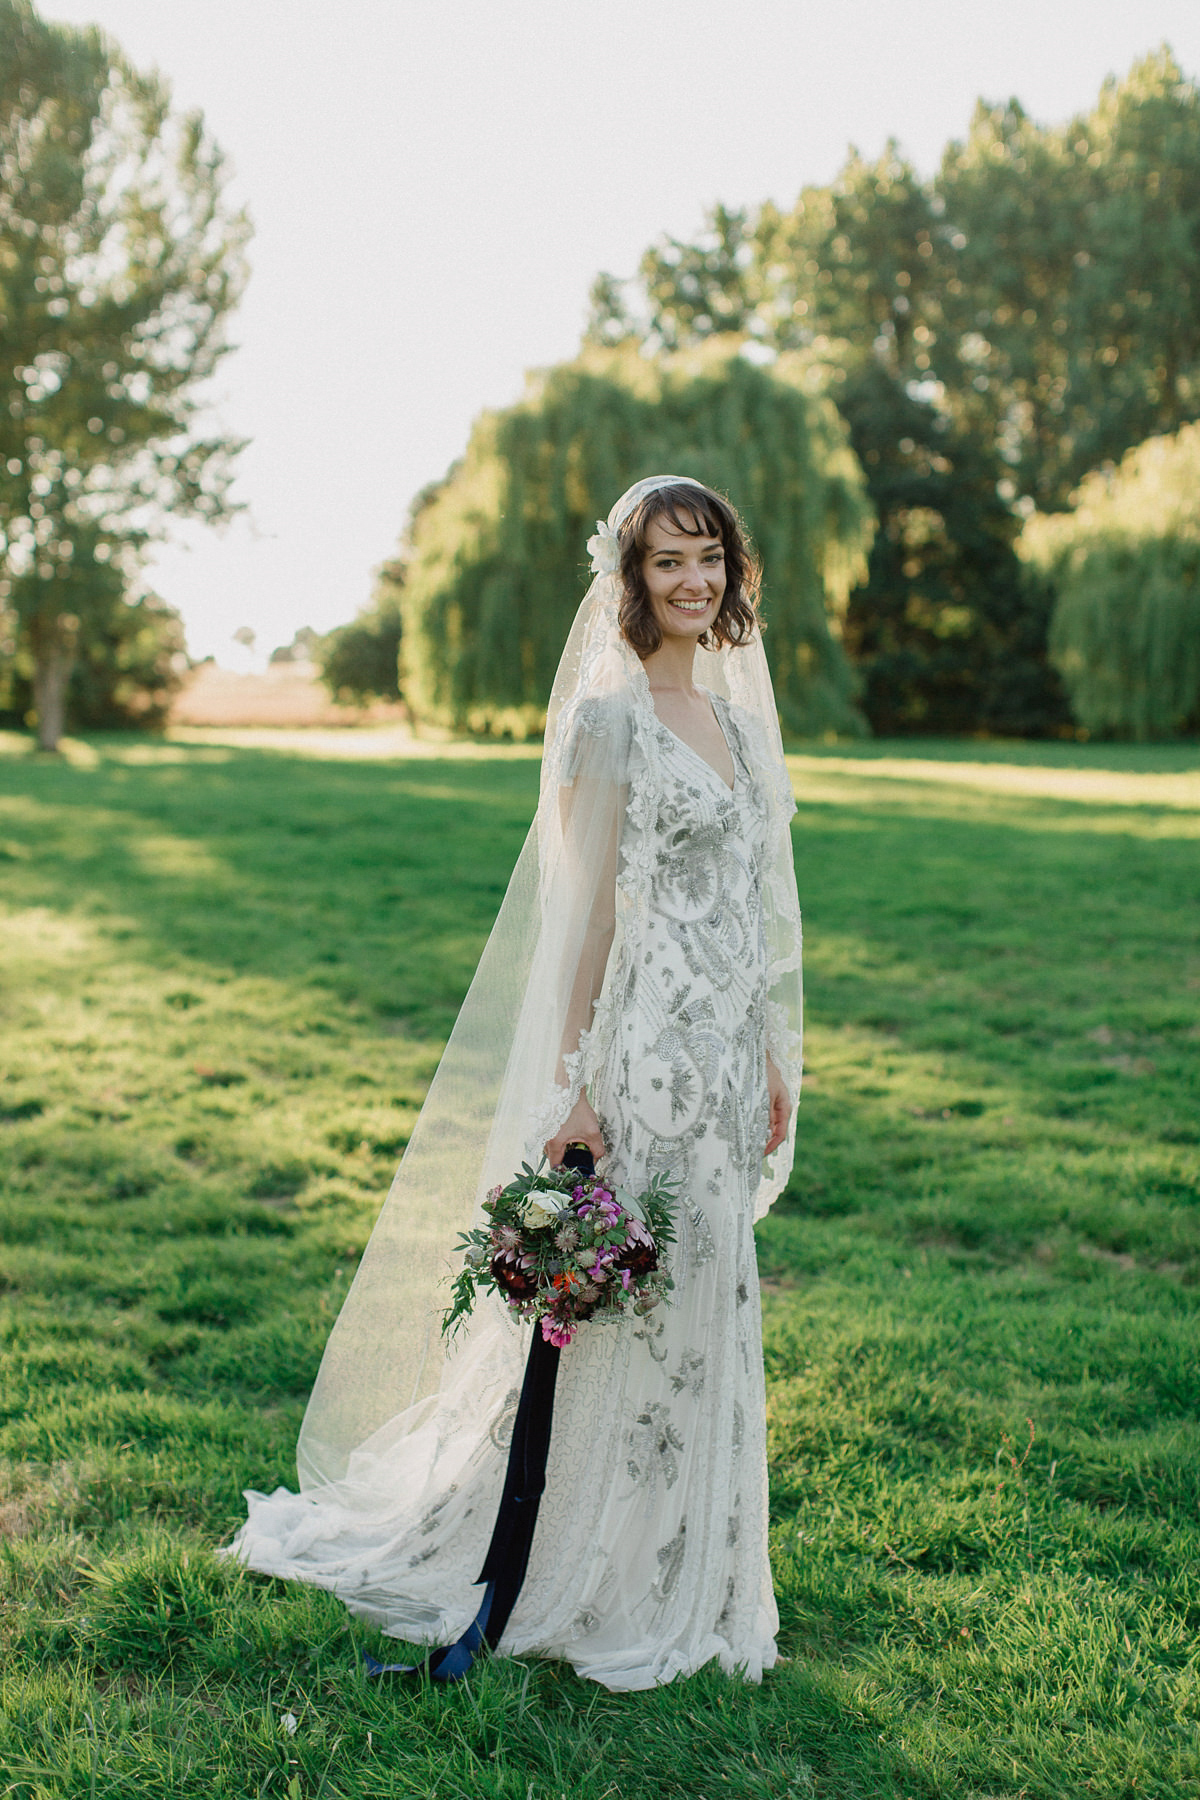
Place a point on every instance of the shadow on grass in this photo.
(375, 882)
(230, 975)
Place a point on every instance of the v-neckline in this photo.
(730, 787)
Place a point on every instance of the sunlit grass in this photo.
(227, 972)
(826, 776)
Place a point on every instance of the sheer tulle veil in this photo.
(387, 1373)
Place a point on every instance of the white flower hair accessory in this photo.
(604, 549)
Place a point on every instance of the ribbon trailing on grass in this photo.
(507, 1559)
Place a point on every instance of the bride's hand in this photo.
(781, 1107)
(581, 1126)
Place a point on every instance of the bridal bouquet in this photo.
(563, 1247)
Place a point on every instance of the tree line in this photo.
(926, 394)
(991, 338)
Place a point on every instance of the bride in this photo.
(640, 994)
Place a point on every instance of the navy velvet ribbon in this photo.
(507, 1558)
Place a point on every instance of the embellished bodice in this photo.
(687, 999)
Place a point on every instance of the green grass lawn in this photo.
(227, 973)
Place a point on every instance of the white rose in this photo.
(541, 1209)
(604, 550)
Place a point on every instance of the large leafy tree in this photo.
(120, 261)
(1125, 566)
(497, 565)
(1074, 325)
(947, 632)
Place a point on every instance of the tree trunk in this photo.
(53, 659)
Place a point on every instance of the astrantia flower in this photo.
(506, 1237)
(567, 1238)
(604, 550)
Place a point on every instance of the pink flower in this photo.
(555, 1333)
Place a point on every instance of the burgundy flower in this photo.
(639, 1254)
(510, 1274)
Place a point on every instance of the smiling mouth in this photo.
(692, 606)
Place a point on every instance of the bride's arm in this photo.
(781, 1106)
(594, 879)
(591, 828)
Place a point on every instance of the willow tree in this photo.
(119, 263)
(498, 562)
(1125, 633)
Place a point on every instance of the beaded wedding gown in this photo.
(647, 948)
(650, 1554)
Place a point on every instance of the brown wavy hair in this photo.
(697, 512)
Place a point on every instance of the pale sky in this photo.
(435, 183)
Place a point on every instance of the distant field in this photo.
(287, 694)
(228, 964)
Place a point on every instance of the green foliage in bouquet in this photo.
(561, 1246)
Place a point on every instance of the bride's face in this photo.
(685, 579)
